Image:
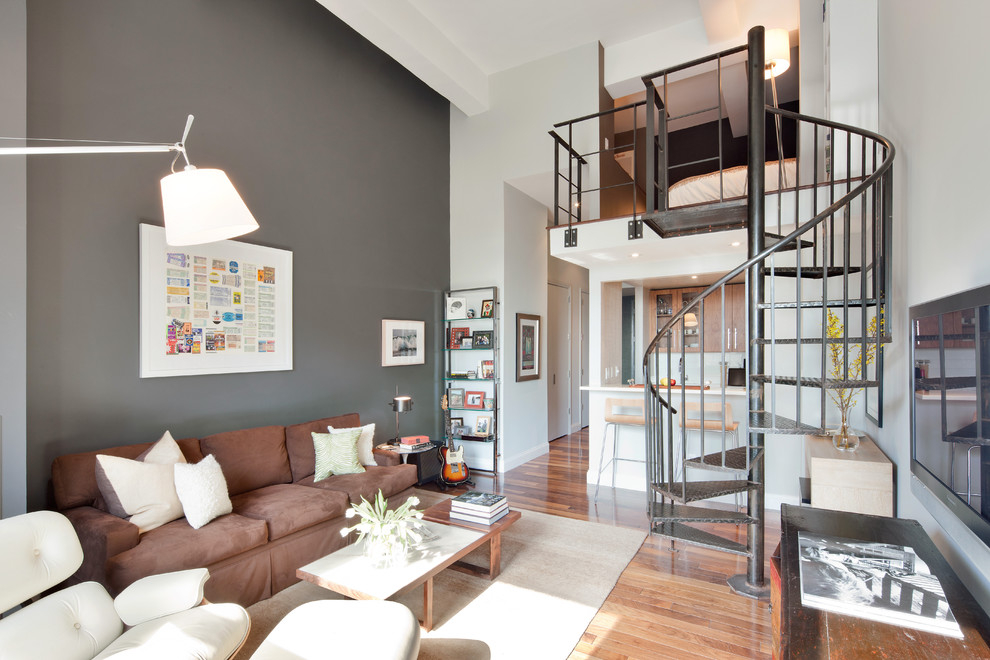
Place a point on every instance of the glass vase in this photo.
(844, 438)
(385, 551)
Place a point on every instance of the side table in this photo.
(860, 481)
(426, 460)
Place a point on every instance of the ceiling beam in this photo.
(402, 32)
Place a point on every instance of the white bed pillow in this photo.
(365, 443)
(202, 490)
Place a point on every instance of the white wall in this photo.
(13, 256)
(496, 236)
(939, 203)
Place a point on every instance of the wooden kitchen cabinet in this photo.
(732, 327)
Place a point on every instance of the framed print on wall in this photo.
(527, 347)
(403, 342)
(219, 308)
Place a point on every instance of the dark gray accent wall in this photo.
(341, 154)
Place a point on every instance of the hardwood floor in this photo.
(665, 604)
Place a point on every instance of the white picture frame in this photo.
(456, 308)
(403, 342)
(176, 281)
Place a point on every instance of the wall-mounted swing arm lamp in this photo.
(199, 205)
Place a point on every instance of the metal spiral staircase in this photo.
(828, 253)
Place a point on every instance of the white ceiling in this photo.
(501, 35)
(455, 45)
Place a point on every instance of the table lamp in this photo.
(400, 404)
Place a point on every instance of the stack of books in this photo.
(479, 508)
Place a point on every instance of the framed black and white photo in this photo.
(403, 342)
(483, 426)
(456, 308)
(527, 347)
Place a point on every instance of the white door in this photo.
(558, 361)
(585, 329)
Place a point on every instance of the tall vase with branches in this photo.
(858, 360)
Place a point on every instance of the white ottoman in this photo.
(366, 629)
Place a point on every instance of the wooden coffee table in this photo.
(350, 573)
(493, 534)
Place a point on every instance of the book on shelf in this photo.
(482, 519)
(478, 500)
(874, 581)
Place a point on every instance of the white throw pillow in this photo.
(164, 452)
(365, 444)
(143, 493)
(202, 490)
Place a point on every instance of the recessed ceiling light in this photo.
(634, 255)
(694, 277)
(735, 244)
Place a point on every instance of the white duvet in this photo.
(705, 187)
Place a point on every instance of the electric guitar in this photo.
(454, 470)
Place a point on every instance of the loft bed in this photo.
(673, 198)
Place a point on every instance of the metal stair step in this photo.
(773, 239)
(853, 341)
(695, 491)
(764, 422)
(687, 534)
(734, 460)
(818, 304)
(808, 381)
(810, 272)
(670, 512)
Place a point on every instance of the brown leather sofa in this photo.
(281, 519)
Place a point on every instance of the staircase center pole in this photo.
(753, 583)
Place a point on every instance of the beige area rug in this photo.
(556, 573)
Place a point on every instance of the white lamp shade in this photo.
(777, 52)
(202, 206)
(690, 320)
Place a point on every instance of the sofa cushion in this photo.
(390, 479)
(365, 443)
(142, 493)
(299, 441)
(250, 458)
(336, 453)
(202, 490)
(177, 546)
(288, 508)
(74, 475)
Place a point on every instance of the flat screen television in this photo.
(950, 407)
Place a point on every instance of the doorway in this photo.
(558, 360)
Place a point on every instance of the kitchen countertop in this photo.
(675, 390)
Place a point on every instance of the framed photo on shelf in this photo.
(483, 338)
(474, 400)
(456, 308)
(467, 342)
(527, 347)
(456, 421)
(457, 335)
(487, 309)
(483, 426)
(455, 397)
(488, 368)
(403, 342)
(460, 430)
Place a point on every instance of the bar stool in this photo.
(616, 419)
(713, 422)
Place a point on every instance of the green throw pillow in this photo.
(336, 453)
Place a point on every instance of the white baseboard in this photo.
(509, 462)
